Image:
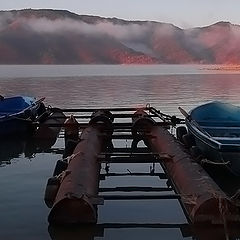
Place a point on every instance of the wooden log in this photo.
(77, 196)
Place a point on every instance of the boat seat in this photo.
(228, 132)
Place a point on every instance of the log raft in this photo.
(201, 198)
(76, 198)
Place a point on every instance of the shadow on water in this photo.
(229, 183)
(90, 232)
(215, 233)
(10, 149)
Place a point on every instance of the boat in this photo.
(18, 113)
(214, 129)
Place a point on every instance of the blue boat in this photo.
(215, 129)
(17, 114)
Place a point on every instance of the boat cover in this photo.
(217, 114)
(13, 105)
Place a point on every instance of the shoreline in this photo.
(223, 68)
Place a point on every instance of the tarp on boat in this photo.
(217, 114)
(15, 105)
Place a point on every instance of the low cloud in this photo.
(198, 42)
(120, 32)
(5, 19)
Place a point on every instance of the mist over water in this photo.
(23, 179)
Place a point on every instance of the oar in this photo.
(187, 116)
(40, 100)
(184, 113)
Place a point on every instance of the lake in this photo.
(23, 214)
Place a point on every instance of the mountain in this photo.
(60, 37)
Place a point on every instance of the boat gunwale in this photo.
(210, 141)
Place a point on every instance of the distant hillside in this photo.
(61, 37)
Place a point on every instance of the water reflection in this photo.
(229, 183)
(84, 232)
(10, 149)
(13, 148)
(163, 92)
(90, 232)
(215, 233)
(22, 185)
(117, 230)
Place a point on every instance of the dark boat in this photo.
(215, 130)
(18, 113)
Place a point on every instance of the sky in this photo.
(182, 13)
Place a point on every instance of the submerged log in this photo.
(201, 198)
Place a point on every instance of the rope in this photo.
(222, 206)
(189, 199)
(62, 175)
(236, 198)
(213, 163)
(223, 209)
(69, 158)
(66, 172)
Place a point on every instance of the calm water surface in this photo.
(23, 214)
